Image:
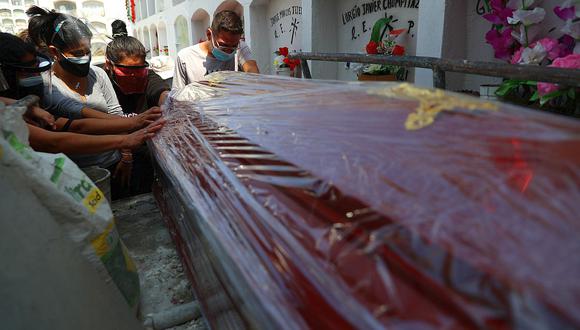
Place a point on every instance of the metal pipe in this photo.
(306, 69)
(439, 78)
(570, 77)
(172, 317)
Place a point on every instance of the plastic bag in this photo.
(80, 207)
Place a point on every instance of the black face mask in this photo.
(37, 90)
(77, 69)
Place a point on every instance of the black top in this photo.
(138, 103)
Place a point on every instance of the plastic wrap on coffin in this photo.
(317, 204)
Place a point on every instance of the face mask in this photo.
(130, 80)
(30, 81)
(78, 66)
(31, 86)
(219, 54)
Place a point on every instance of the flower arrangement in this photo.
(282, 60)
(516, 37)
(384, 42)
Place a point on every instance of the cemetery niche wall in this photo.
(284, 27)
(356, 20)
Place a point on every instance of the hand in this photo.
(136, 139)
(39, 117)
(123, 173)
(147, 117)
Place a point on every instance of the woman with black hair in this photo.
(20, 70)
(68, 40)
(137, 88)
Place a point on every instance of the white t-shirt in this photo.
(193, 65)
(100, 95)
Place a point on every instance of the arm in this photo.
(163, 97)
(112, 124)
(246, 59)
(72, 143)
(180, 74)
(251, 66)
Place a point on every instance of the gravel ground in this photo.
(163, 282)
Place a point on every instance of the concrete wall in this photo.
(354, 33)
(438, 28)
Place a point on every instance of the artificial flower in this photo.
(535, 55)
(372, 48)
(552, 48)
(527, 17)
(283, 51)
(398, 51)
(565, 13)
(526, 35)
(279, 60)
(570, 62)
(502, 42)
(499, 13)
(572, 29)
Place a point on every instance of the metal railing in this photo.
(568, 77)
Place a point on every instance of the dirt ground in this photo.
(163, 281)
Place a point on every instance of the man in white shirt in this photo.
(223, 51)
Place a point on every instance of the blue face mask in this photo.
(31, 81)
(220, 55)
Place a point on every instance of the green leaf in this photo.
(506, 88)
(535, 97)
(572, 93)
(548, 97)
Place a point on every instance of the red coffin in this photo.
(325, 205)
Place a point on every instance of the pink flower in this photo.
(502, 42)
(499, 13)
(517, 58)
(567, 44)
(570, 62)
(566, 13)
(552, 47)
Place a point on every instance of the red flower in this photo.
(398, 50)
(372, 48)
(291, 63)
(283, 51)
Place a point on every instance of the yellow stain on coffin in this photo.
(431, 103)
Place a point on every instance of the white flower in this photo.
(571, 28)
(527, 17)
(279, 61)
(534, 55)
(526, 35)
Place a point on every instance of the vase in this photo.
(376, 77)
(488, 91)
(284, 72)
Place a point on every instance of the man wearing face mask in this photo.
(223, 51)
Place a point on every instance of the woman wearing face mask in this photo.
(20, 69)
(69, 42)
(223, 51)
(137, 89)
